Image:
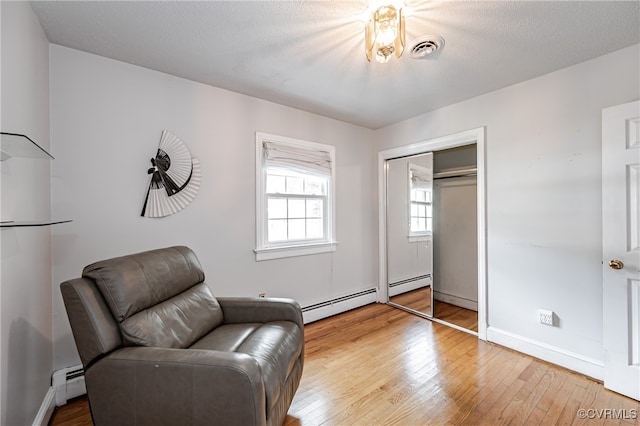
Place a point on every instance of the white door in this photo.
(621, 247)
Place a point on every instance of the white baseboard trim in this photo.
(590, 367)
(455, 300)
(46, 409)
(338, 305)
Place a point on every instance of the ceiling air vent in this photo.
(424, 46)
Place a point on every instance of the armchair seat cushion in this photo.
(274, 345)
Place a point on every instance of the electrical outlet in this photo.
(545, 317)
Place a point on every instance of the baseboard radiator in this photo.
(68, 383)
(409, 284)
(338, 305)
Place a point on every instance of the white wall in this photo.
(25, 300)
(455, 246)
(107, 117)
(455, 242)
(543, 162)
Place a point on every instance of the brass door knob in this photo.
(616, 264)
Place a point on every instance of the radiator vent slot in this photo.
(339, 299)
(410, 280)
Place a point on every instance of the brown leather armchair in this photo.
(159, 349)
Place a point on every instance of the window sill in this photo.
(419, 238)
(292, 251)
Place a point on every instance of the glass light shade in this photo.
(384, 34)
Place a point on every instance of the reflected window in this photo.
(420, 204)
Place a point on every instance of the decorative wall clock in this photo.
(175, 178)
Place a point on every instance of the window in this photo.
(420, 205)
(421, 217)
(295, 206)
(294, 197)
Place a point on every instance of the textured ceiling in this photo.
(310, 54)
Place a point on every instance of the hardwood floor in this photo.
(74, 413)
(420, 300)
(465, 318)
(378, 365)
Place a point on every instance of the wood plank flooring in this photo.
(378, 365)
(420, 300)
(465, 318)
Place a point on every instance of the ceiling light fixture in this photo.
(384, 34)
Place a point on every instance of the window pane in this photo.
(422, 224)
(295, 185)
(429, 211)
(314, 186)
(429, 225)
(422, 210)
(427, 196)
(419, 195)
(414, 224)
(314, 208)
(276, 208)
(414, 209)
(275, 184)
(314, 228)
(296, 229)
(277, 230)
(296, 208)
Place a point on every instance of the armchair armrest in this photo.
(258, 309)
(151, 386)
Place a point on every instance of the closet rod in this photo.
(452, 173)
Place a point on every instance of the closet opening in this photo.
(432, 239)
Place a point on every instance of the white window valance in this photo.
(305, 159)
(421, 177)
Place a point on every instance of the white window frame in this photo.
(265, 250)
(415, 236)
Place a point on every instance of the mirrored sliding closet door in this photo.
(431, 235)
(409, 207)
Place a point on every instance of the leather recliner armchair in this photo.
(159, 349)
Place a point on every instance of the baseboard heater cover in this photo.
(68, 383)
(409, 280)
(338, 305)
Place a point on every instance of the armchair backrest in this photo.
(155, 298)
(94, 328)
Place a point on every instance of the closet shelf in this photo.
(19, 145)
(23, 223)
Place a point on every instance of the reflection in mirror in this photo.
(409, 232)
